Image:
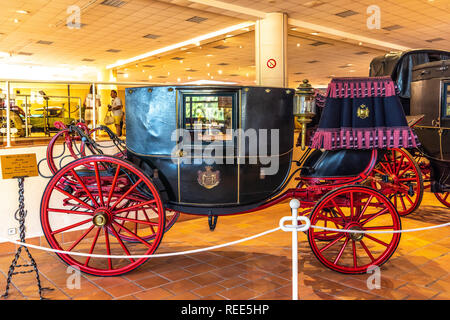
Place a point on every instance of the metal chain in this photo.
(20, 215)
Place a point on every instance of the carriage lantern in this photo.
(304, 106)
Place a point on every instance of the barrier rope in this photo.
(300, 227)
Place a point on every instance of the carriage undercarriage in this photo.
(107, 205)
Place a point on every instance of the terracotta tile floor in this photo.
(258, 269)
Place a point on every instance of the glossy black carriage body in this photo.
(430, 96)
(197, 177)
(399, 65)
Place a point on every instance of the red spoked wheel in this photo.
(398, 176)
(83, 210)
(359, 208)
(443, 198)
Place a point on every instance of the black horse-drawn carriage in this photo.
(191, 149)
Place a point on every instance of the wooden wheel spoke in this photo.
(376, 240)
(93, 246)
(136, 221)
(82, 203)
(113, 185)
(71, 226)
(375, 216)
(134, 235)
(99, 185)
(355, 258)
(84, 213)
(113, 230)
(108, 250)
(367, 250)
(84, 187)
(126, 193)
(81, 238)
(332, 243)
(133, 207)
(341, 251)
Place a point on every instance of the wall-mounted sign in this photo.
(19, 165)
(271, 63)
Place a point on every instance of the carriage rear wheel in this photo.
(443, 198)
(358, 208)
(87, 210)
(398, 176)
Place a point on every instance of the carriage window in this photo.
(208, 116)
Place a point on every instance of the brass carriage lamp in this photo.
(304, 107)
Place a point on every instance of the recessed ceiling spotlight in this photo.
(360, 43)
(125, 75)
(298, 45)
(245, 29)
(208, 64)
(351, 70)
(182, 49)
(16, 20)
(22, 11)
(220, 71)
(178, 79)
(293, 29)
(150, 77)
(209, 55)
(229, 35)
(197, 43)
(168, 73)
(315, 33)
(240, 47)
(181, 61)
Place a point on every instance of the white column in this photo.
(271, 50)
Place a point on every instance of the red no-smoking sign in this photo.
(271, 63)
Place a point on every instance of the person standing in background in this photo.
(116, 108)
(89, 110)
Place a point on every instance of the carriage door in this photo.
(208, 173)
(445, 120)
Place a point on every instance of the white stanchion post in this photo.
(294, 228)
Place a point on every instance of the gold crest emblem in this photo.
(208, 178)
(363, 111)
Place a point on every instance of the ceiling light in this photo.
(168, 73)
(298, 45)
(245, 29)
(181, 44)
(183, 49)
(22, 11)
(16, 20)
(197, 43)
(360, 43)
(150, 77)
(125, 75)
(220, 71)
(293, 29)
(209, 55)
(181, 61)
(208, 65)
(315, 33)
(229, 35)
(178, 79)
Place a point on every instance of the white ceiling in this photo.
(123, 29)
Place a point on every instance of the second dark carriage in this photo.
(194, 178)
(399, 66)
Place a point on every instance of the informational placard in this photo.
(19, 165)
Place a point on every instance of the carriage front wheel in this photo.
(91, 203)
(357, 208)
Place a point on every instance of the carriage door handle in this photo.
(435, 123)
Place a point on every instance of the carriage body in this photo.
(214, 169)
(430, 96)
